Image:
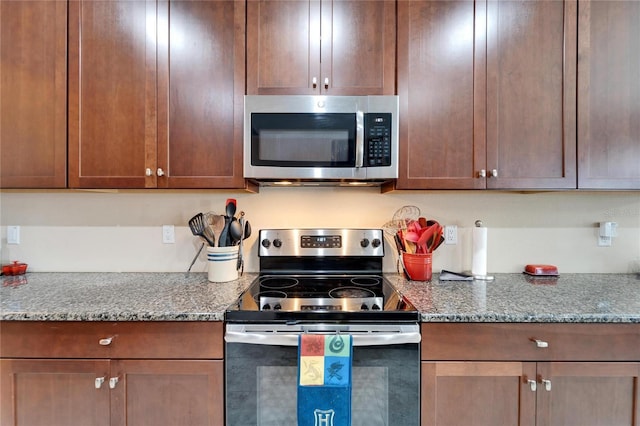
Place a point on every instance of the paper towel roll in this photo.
(479, 260)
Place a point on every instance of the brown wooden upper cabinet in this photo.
(311, 47)
(155, 94)
(609, 94)
(487, 94)
(33, 94)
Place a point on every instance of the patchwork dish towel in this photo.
(324, 380)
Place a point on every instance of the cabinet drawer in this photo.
(517, 342)
(66, 339)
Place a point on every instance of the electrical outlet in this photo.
(451, 234)
(168, 234)
(13, 235)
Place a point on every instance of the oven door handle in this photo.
(291, 339)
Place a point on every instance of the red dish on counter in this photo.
(16, 268)
(541, 270)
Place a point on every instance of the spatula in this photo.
(197, 225)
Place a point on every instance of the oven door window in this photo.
(261, 385)
(303, 140)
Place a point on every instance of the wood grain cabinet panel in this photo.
(33, 94)
(609, 95)
(111, 373)
(487, 93)
(155, 94)
(311, 47)
(530, 374)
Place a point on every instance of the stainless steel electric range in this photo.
(321, 281)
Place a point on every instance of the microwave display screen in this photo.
(303, 139)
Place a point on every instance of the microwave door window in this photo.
(298, 147)
(303, 140)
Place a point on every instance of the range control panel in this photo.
(321, 242)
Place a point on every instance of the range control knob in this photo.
(277, 243)
(266, 307)
(375, 307)
(277, 307)
(364, 307)
(364, 243)
(376, 243)
(266, 243)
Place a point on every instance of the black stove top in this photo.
(321, 275)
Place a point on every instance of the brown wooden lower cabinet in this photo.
(185, 390)
(505, 391)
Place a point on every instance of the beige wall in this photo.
(121, 231)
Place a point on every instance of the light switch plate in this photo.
(168, 234)
(13, 234)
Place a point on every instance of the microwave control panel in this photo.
(377, 139)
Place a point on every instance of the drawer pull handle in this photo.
(106, 342)
(99, 382)
(541, 343)
(113, 382)
(547, 384)
(533, 385)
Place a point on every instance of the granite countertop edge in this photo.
(512, 298)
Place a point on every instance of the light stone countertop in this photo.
(175, 297)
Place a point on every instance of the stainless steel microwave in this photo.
(320, 139)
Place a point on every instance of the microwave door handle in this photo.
(359, 139)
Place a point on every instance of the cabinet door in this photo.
(358, 47)
(168, 393)
(595, 393)
(33, 94)
(531, 94)
(477, 393)
(609, 94)
(201, 92)
(53, 392)
(112, 94)
(283, 47)
(441, 84)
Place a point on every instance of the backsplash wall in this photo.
(112, 231)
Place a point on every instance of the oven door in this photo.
(261, 362)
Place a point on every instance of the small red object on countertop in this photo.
(541, 270)
(16, 268)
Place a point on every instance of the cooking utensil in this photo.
(216, 224)
(230, 211)
(197, 226)
(235, 231)
(240, 265)
(247, 230)
(194, 259)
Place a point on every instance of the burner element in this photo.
(350, 293)
(276, 283)
(365, 281)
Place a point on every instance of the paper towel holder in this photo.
(484, 277)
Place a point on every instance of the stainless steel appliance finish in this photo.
(322, 281)
(321, 140)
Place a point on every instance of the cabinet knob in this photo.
(493, 173)
(547, 384)
(326, 82)
(106, 341)
(160, 172)
(482, 173)
(314, 82)
(148, 172)
(113, 382)
(532, 385)
(99, 381)
(540, 343)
